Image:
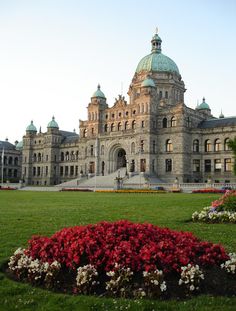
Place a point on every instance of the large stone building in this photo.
(10, 161)
(153, 132)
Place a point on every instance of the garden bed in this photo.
(124, 259)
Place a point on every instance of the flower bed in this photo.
(209, 190)
(222, 210)
(131, 191)
(7, 188)
(77, 189)
(124, 259)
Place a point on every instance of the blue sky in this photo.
(54, 53)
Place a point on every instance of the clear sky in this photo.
(53, 53)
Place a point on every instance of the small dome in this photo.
(31, 127)
(148, 82)
(99, 93)
(19, 145)
(53, 124)
(203, 105)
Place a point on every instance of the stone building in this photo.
(10, 161)
(152, 132)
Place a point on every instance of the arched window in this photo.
(16, 161)
(67, 156)
(132, 147)
(173, 122)
(164, 123)
(196, 145)
(169, 145)
(207, 145)
(85, 133)
(62, 156)
(126, 125)
(112, 127)
(105, 128)
(39, 157)
(133, 124)
(226, 146)
(119, 126)
(102, 150)
(35, 157)
(72, 156)
(217, 145)
(10, 161)
(168, 165)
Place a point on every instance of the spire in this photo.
(221, 116)
(156, 43)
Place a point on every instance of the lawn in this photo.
(23, 214)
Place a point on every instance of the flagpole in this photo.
(2, 164)
(96, 159)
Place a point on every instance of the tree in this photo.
(232, 145)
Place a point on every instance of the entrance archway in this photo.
(121, 158)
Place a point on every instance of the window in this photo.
(227, 165)
(226, 147)
(112, 127)
(119, 126)
(10, 161)
(35, 157)
(173, 122)
(217, 145)
(196, 165)
(153, 165)
(168, 165)
(142, 124)
(154, 146)
(133, 147)
(207, 165)
(38, 171)
(91, 150)
(169, 146)
(105, 128)
(102, 150)
(207, 145)
(126, 125)
(160, 95)
(133, 124)
(85, 133)
(217, 165)
(61, 171)
(166, 94)
(71, 170)
(164, 123)
(66, 170)
(67, 156)
(34, 171)
(196, 145)
(141, 145)
(62, 156)
(142, 165)
(92, 130)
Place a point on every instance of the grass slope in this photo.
(23, 214)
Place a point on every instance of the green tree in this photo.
(232, 145)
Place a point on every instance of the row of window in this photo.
(10, 160)
(208, 146)
(9, 173)
(218, 166)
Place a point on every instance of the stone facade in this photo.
(154, 133)
(10, 162)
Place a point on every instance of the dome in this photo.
(53, 124)
(98, 93)
(31, 128)
(19, 146)
(203, 105)
(156, 61)
(148, 82)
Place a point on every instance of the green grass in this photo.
(23, 214)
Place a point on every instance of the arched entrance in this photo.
(121, 158)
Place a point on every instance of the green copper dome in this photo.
(156, 61)
(19, 146)
(53, 124)
(203, 105)
(31, 127)
(148, 82)
(98, 93)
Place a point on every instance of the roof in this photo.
(222, 122)
(6, 145)
(69, 137)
